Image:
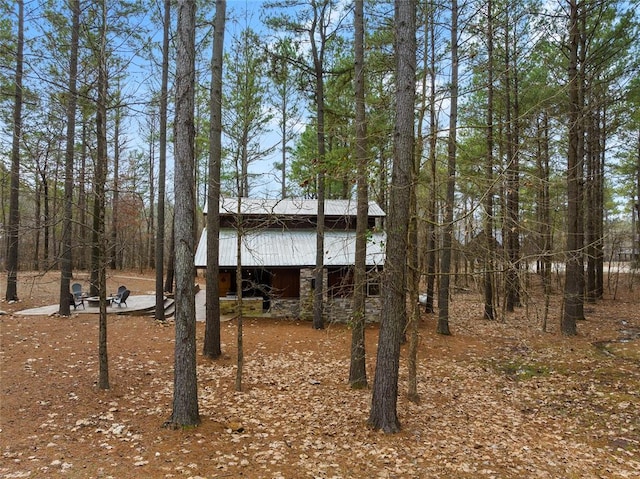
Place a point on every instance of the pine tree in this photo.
(14, 214)
(383, 413)
(212, 347)
(185, 386)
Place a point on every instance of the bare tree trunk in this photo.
(162, 166)
(573, 294)
(66, 264)
(383, 168)
(489, 312)
(151, 233)
(239, 294)
(432, 231)
(600, 213)
(185, 387)
(413, 281)
(212, 347)
(47, 222)
(594, 188)
(38, 221)
(383, 413)
(95, 260)
(99, 209)
(81, 261)
(318, 64)
(114, 249)
(592, 157)
(447, 233)
(318, 274)
(512, 194)
(171, 264)
(358, 369)
(14, 197)
(545, 213)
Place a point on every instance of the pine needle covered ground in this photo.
(498, 399)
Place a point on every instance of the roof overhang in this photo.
(293, 207)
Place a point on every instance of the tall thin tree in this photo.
(14, 197)
(383, 413)
(114, 249)
(246, 118)
(212, 346)
(314, 19)
(285, 101)
(239, 295)
(162, 163)
(489, 310)
(358, 370)
(100, 240)
(320, 17)
(432, 232)
(573, 291)
(185, 386)
(447, 233)
(544, 210)
(512, 281)
(66, 265)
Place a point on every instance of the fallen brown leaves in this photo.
(498, 400)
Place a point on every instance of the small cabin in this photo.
(278, 256)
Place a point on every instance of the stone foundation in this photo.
(340, 310)
(284, 308)
(250, 306)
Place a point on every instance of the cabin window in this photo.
(285, 283)
(373, 282)
(340, 282)
(373, 286)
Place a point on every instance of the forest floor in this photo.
(498, 399)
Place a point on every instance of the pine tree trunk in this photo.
(357, 369)
(512, 194)
(573, 294)
(489, 312)
(432, 232)
(239, 294)
(447, 232)
(383, 413)
(591, 203)
(66, 260)
(115, 222)
(545, 212)
(81, 260)
(162, 165)
(99, 206)
(14, 197)
(185, 387)
(171, 263)
(413, 281)
(318, 294)
(212, 346)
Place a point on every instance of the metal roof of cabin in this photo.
(294, 207)
(290, 248)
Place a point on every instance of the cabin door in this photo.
(224, 283)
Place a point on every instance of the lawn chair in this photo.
(118, 295)
(121, 296)
(76, 298)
